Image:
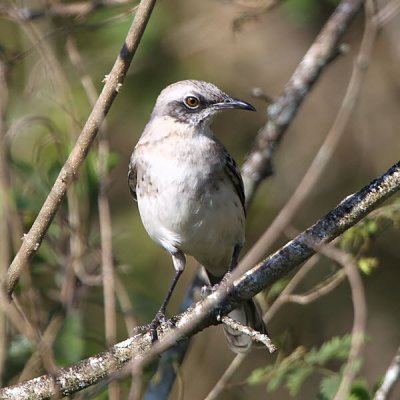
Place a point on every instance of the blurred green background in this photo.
(238, 45)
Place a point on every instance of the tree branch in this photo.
(392, 376)
(70, 170)
(282, 111)
(139, 350)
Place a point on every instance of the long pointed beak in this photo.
(230, 102)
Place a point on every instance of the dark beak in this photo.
(230, 102)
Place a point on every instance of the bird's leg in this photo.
(215, 282)
(179, 261)
(235, 257)
(234, 261)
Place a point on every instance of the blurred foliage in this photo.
(358, 239)
(293, 370)
(305, 11)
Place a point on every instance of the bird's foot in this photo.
(208, 289)
(158, 321)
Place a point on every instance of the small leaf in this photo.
(368, 264)
(329, 386)
(335, 349)
(258, 375)
(296, 379)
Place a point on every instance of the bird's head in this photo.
(195, 102)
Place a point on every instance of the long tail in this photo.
(248, 314)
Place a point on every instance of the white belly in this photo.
(184, 211)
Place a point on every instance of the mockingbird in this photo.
(190, 192)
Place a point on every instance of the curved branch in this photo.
(139, 350)
(70, 170)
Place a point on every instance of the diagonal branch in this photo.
(138, 349)
(391, 377)
(282, 111)
(70, 170)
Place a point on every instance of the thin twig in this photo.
(5, 193)
(359, 320)
(110, 314)
(392, 376)
(69, 171)
(320, 290)
(255, 335)
(387, 13)
(225, 378)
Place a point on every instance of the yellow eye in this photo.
(192, 102)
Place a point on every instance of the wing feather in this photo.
(233, 172)
(132, 177)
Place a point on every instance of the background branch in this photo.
(391, 377)
(69, 172)
(281, 112)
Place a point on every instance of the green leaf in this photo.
(335, 349)
(329, 386)
(296, 379)
(258, 375)
(360, 391)
(277, 288)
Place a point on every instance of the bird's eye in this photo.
(192, 102)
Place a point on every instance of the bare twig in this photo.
(280, 114)
(387, 13)
(5, 235)
(227, 375)
(255, 335)
(320, 290)
(228, 296)
(76, 9)
(392, 376)
(359, 321)
(110, 315)
(69, 172)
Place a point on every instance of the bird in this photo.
(190, 192)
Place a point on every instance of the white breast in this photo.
(181, 208)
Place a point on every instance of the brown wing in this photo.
(233, 172)
(132, 177)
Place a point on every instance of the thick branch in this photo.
(70, 170)
(227, 297)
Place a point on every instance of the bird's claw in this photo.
(158, 321)
(206, 290)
